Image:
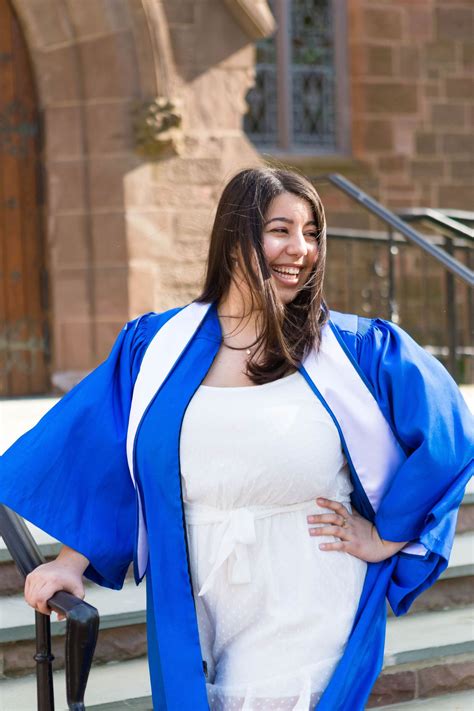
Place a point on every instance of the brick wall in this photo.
(413, 99)
(412, 104)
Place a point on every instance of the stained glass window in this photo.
(261, 120)
(300, 97)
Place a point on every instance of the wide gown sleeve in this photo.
(434, 426)
(69, 474)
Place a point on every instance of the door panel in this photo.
(23, 311)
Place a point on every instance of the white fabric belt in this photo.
(236, 532)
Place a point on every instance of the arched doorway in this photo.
(23, 288)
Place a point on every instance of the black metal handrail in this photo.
(380, 237)
(448, 261)
(453, 267)
(441, 222)
(82, 621)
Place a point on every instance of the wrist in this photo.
(73, 559)
(389, 547)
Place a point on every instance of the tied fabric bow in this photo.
(236, 532)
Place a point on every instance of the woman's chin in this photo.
(287, 295)
(286, 292)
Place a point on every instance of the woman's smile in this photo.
(286, 274)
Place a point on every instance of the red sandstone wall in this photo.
(413, 98)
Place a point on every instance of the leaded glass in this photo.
(311, 76)
(260, 122)
(312, 71)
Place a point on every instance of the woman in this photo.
(288, 472)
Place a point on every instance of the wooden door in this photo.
(23, 307)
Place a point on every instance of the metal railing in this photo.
(441, 248)
(82, 622)
(453, 232)
(442, 223)
(448, 262)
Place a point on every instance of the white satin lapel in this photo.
(375, 453)
(160, 357)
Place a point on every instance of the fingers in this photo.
(337, 531)
(334, 518)
(42, 583)
(334, 505)
(336, 546)
(339, 520)
(38, 595)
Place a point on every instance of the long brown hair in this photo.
(287, 331)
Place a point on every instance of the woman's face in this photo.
(290, 243)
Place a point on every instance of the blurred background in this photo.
(121, 120)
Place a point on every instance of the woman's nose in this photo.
(297, 244)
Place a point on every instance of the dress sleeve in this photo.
(435, 428)
(69, 474)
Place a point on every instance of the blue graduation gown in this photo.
(69, 476)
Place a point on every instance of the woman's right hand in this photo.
(64, 573)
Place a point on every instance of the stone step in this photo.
(462, 701)
(116, 607)
(461, 562)
(122, 632)
(109, 684)
(455, 587)
(430, 635)
(426, 654)
(419, 647)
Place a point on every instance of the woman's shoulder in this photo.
(150, 322)
(356, 324)
(378, 339)
(367, 329)
(140, 332)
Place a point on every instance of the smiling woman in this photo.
(275, 469)
(265, 269)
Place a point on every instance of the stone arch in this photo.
(92, 62)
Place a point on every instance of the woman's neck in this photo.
(238, 320)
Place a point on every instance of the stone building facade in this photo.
(141, 106)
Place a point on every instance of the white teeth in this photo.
(287, 270)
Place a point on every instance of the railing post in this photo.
(451, 320)
(82, 621)
(44, 659)
(392, 303)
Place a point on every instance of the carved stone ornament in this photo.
(157, 128)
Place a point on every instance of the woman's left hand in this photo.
(357, 536)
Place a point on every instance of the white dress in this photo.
(274, 611)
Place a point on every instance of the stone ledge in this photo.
(407, 684)
(114, 644)
(313, 163)
(254, 16)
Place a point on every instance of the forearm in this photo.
(74, 560)
(388, 547)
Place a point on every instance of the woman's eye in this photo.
(280, 229)
(312, 235)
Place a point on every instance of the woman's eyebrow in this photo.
(285, 219)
